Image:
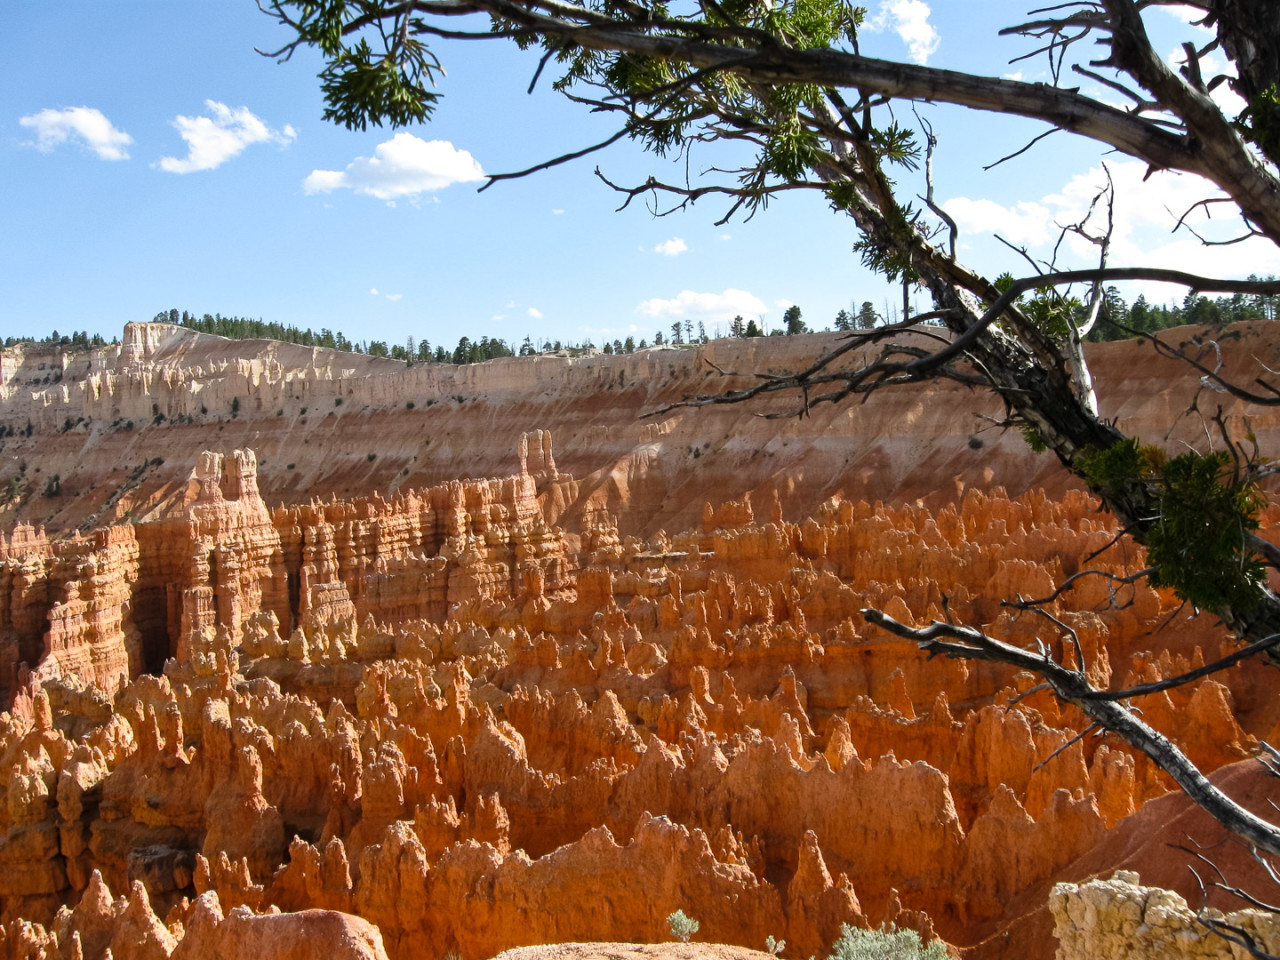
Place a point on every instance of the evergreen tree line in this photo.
(1120, 319)
(1117, 321)
(77, 340)
(411, 351)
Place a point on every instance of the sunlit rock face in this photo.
(476, 729)
(458, 713)
(1121, 918)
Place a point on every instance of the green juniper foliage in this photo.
(362, 85)
(1199, 546)
(379, 70)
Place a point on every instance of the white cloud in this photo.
(1146, 211)
(323, 181)
(222, 136)
(783, 304)
(1027, 222)
(909, 19)
(1186, 14)
(726, 236)
(374, 291)
(403, 166)
(707, 307)
(535, 313)
(557, 211)
(671, 248)
(90, 126)
(393, 297)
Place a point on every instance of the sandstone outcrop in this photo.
(1121, 919)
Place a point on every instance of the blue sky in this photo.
(153, 159)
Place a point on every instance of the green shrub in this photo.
(887, 943)
(682, 927)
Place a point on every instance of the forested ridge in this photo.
(1119, 320)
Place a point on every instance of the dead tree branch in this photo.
(1073, 686)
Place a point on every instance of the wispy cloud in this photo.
(535, 313)
(1026, 222)
(909, 19)
(1147, 208)
(1186, 14)
(221, 136)
(671, 248)
(404, 166)
(85, 124)
(708, 307)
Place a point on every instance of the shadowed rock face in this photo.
(484, 713)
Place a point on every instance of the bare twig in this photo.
(1068, 583)
(1073, 686)
(1066, 746)
(931, 141)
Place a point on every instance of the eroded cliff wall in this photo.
(121, 426)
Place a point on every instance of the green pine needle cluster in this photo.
(1199, 546)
